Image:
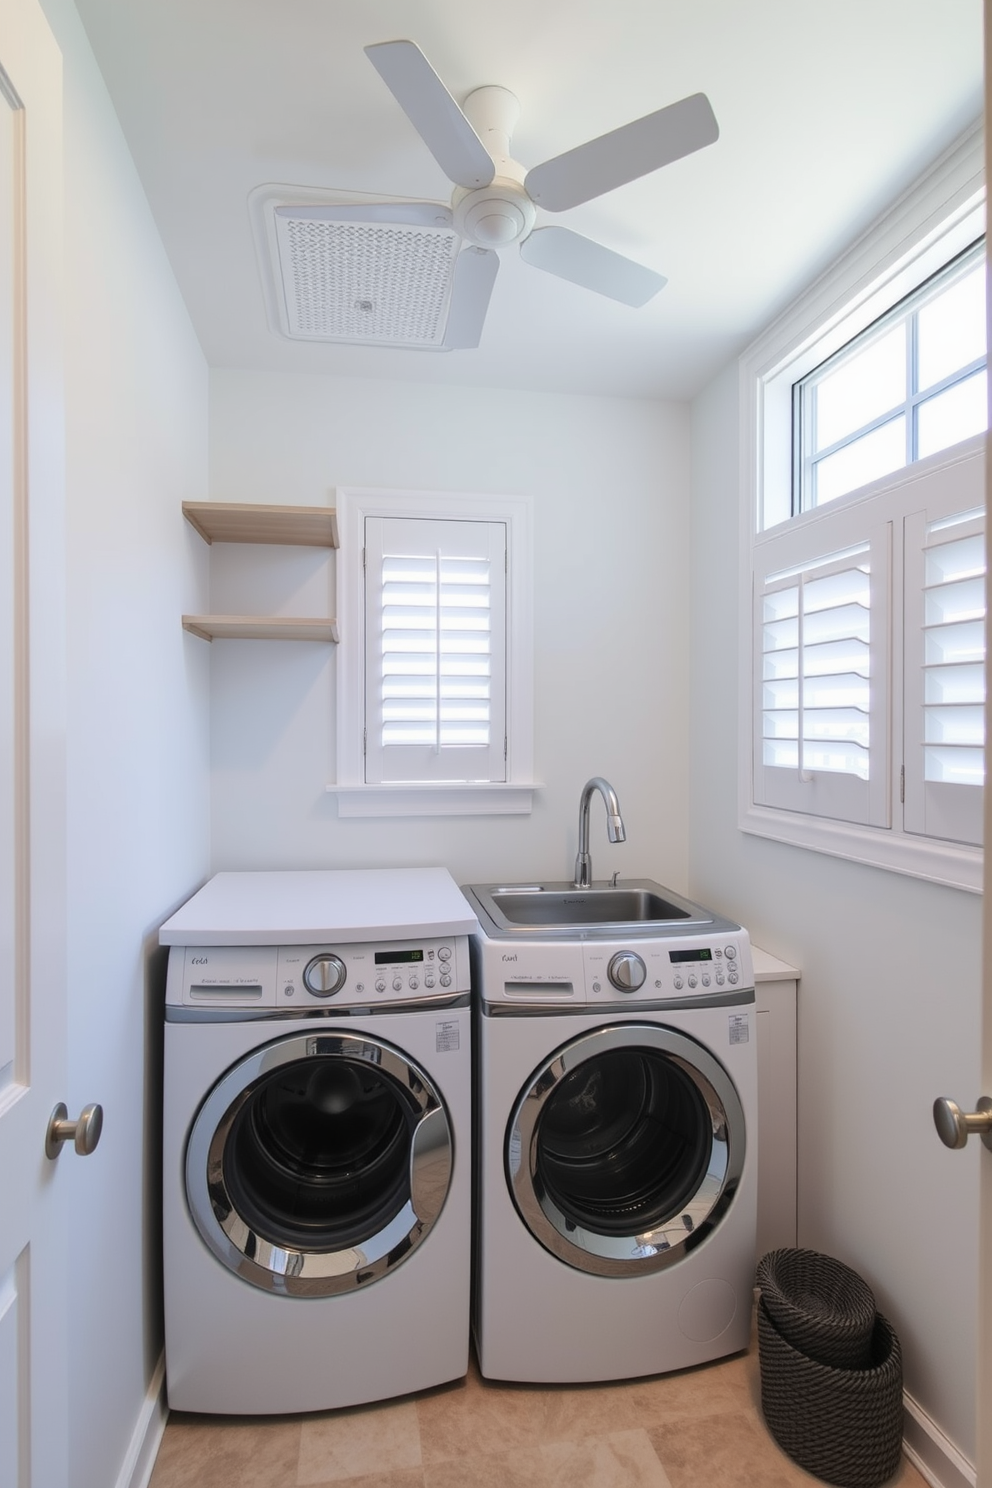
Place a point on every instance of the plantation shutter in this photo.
(945, 670)
(820, 633)
(435, 686)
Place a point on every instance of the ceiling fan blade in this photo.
(472, 286)
(623, 155)
(570, 256)
(433, 112)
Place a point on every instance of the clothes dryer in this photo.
(616, 1156)
(317, 1139)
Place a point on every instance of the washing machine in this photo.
(317, 1140)
(616, 1089)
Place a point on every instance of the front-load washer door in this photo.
(318, 1163)
(625, 1149)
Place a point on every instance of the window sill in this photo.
(950, 863)
(434, 799)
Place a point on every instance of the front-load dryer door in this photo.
(625, 1149)
(318, 1163)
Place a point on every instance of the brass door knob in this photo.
(955, 1126)
(83, 1133)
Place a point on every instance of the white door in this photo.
(984, 1400)
(33, 1415)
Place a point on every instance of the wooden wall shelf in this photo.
(248, 522)
(259, 628)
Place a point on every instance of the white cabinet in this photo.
(775, 990)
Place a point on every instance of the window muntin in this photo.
(909, 386)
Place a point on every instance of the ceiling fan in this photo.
(494, 205)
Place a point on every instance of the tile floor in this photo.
(698, 1429)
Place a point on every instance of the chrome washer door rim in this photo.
(291, 1270)
(637, 1253)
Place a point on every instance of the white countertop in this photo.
(768, 968)
(310, 906)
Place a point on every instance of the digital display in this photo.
(703, 953)
(395, 958)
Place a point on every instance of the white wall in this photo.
(609, 481)
(889, 999)
(138, 783)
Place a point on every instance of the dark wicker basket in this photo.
(819, 1305)
(843, 1425)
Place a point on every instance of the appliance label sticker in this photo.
(447, 1035)
(739, 1028)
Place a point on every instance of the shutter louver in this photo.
(816, 667)
(944, 701)
(435, 685)
(436, 651)
(954, 656)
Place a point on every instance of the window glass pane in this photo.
(840, 758)
(959, 558)
(952, 329)
(954, 684)
(954, 766)
(956, 414)
(862, 388)
(867, 459)
(946, 644)
(962, 600)
(955, 725)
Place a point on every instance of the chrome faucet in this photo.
(615, 829)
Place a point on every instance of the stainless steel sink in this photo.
(634, 906)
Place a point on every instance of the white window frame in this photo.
(906, 313)
(355, 796)
(927, 228)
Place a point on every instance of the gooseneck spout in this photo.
(615, 829)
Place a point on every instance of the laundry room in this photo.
(171, 758)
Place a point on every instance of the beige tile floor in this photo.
(701, 1428)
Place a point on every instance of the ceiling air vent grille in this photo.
(372, 283)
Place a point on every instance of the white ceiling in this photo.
(826, 110)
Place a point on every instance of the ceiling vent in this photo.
(336, 271)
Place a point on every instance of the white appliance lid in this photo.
(312, 906)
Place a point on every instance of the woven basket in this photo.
(843, 1425)
(819, 1305)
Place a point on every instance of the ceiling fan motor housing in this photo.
(496, 215)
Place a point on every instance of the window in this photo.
(435, 675)
(908, 387)
(863, 666)
(435, 709)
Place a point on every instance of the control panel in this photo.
(559, 973)
(349, 975)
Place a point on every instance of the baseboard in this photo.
(136, 1469)
(931, 1452)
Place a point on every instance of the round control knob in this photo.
(626, 971)
(325, 975)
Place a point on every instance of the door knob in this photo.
(83, 1133)
(955, 1126)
